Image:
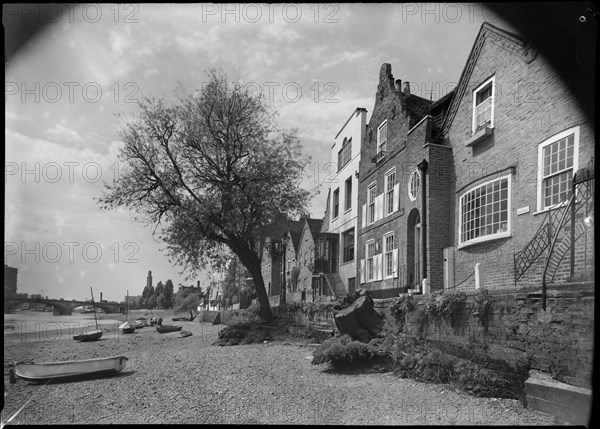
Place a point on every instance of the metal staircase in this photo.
(579, 204)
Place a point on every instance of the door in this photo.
(417, 255)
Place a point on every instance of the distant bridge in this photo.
(65, 308)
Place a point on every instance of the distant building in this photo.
(10, 280)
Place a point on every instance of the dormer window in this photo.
(483, 105)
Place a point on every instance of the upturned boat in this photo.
(162, 329)
(45, 371)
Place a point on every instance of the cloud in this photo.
(63, 135)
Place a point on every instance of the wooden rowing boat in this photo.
(162, 329)
(45, 371)
(89, 336)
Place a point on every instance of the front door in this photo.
(333, 254)
(417, 256)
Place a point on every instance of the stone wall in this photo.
(521, 336)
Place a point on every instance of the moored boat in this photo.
(162, 329)
(184, 334)
(44, 371)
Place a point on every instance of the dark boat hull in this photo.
(94, 336)
(162, 329)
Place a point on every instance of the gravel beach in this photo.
(188, 380)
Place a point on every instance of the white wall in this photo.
(355, 128)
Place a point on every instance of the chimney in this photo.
(398, 85)
(198, 284)
(407, 88)
(100, 296)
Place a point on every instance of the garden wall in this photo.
(520, 335)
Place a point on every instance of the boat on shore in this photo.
(162, 329)
(45, 371)
(94, 335)
(88, 336)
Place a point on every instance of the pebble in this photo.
(257, 384)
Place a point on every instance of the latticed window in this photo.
(484, 211)
(345, 153)
(558, 159)
(388, 243)
(483, 105)
(414, 185)
(390, 181)
(370, 260)
(371, 201)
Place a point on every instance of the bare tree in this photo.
(210, 171)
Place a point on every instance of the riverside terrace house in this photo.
(488, 202)
(303, 284)
(336, 256)
(271, 252)
(404, 175)
(521, 149)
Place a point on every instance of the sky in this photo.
(314, 63)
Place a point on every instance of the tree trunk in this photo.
(252, 263)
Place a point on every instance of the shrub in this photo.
(344, 353)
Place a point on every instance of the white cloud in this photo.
(63, 135)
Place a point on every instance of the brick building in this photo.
(474, 189)
(10, 280)
(300, 286)
(402, 145)
(271, 251)
(518, 139)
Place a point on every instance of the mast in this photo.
(94, 308)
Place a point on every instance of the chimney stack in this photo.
(407, 88)
(398, 85)
(198, 284)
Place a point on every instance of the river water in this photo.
(45, 324)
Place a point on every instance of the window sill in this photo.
(549, 209)
(485, 239)
(479, 136)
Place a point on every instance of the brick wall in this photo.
(532, 105)
(520, 336)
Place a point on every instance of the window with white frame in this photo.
(557, 162)
(485, 211)
(390, 181)
(414, 184)
(370, 260)
(388, 252)
(382, 137)
(483, 104)
(372, 193)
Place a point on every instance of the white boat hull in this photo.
(32, 371)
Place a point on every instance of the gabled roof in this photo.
(276, 229)
(507, 40)
(314, 227)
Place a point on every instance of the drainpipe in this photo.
(422, 166)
